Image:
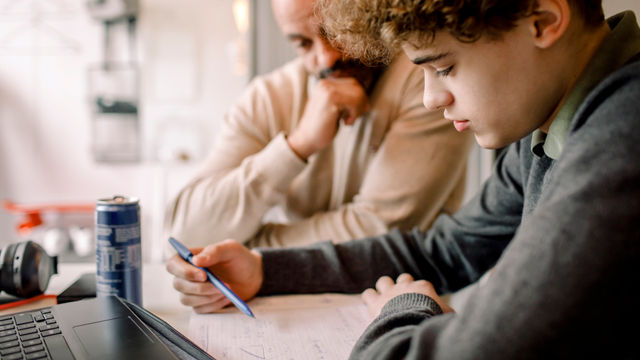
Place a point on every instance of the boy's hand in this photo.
(234, 264)
(386, 289)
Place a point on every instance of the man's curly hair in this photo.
(373, 30)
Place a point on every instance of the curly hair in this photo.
(373, 30)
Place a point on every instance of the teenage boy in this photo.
(558, 221)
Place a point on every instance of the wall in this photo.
(612, 7)
(269, 45)
(187, 52)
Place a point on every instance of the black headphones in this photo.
(25, 269)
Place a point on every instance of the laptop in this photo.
(97, 328)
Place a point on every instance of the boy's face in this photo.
(501, 89)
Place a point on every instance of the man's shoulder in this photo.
(401, 77)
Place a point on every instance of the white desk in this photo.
(158, 294)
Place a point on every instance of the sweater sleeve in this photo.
(248, 170)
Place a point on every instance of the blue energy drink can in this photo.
(118, 250)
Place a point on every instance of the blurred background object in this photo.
(114, 89)
(111, 11)
(113, 97)
(63, 230)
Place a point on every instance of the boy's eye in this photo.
(445, 72)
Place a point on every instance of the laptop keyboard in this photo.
(32, 335)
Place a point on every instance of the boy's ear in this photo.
(549, 21)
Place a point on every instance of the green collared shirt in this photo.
(619, 47)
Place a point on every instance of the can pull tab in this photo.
(119, 199)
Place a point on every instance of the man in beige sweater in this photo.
(323, 148)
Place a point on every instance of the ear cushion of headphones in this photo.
(26, 269)
(6, 269)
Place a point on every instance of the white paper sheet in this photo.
(292, 327)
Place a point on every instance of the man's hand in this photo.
(333, 99)
(234, 264)
(386, 289)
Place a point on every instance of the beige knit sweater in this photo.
(398, 166)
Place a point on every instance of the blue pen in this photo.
(187, 256)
